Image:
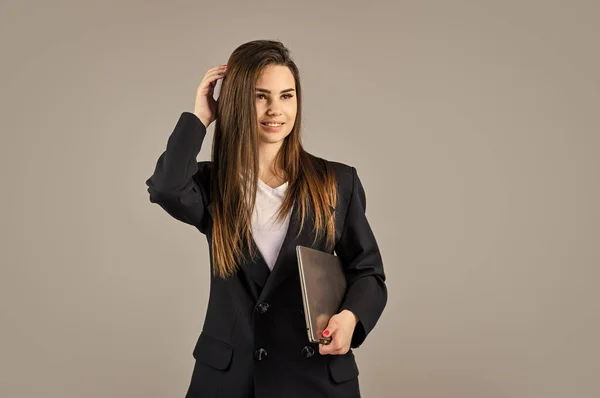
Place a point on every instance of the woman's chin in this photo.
(272, 138)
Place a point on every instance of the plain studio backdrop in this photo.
(472, 124)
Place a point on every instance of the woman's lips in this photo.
(271, 128)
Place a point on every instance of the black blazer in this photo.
(254, 341)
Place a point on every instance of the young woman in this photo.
(260, 196)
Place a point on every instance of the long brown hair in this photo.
(235, 161)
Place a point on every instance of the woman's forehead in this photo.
(275, 78)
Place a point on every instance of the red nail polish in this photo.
(326, 333)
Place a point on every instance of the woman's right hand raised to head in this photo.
(206, 105)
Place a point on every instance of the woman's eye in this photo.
(286, 96)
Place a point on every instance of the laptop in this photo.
(323, 284)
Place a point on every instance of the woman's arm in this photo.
(174, 184)
(366, 296)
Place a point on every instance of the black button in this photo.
(260, 354)
(262, 307)
(308, 351)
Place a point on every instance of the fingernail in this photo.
(326, 333)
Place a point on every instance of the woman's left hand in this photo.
(340, 328)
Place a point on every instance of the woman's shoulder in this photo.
(348, 183)
(344, 172)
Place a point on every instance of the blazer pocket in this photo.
(343, 367)
(213, 352)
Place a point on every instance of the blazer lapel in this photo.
(257, 269)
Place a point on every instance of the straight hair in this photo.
(235, 168)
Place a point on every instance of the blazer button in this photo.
(260, 354)
(308, 351)
(262, 307)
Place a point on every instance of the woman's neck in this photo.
(267, 153)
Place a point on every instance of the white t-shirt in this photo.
(268, 235)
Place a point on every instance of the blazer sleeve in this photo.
(175, 185)
(357, 247)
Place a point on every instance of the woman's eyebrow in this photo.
(264, 90)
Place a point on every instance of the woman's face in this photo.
(275, 103)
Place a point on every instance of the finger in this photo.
(215, 71)
(332, 326)
(336, 343)
(325, 349)
(331, 350)
(213, 76)
(208, 84)
(216, 68)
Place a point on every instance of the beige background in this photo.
(473, 125)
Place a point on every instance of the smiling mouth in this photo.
(271, 124)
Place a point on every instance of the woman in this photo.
(260, 196)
